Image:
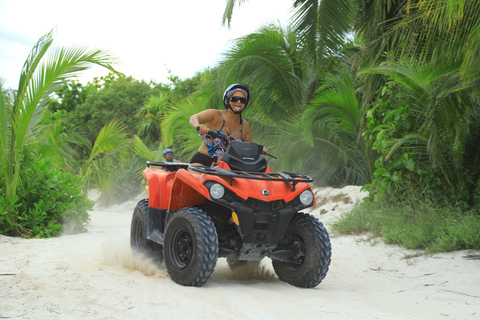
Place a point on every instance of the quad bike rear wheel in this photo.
(139, 243)
(191, 247)
(310, 239)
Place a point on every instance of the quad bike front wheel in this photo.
(191, 247)
(310, 240)
(139, 243)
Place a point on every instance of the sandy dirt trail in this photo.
(94, 276)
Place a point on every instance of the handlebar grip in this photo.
(268, 154)
(214, 134)
(210, 132)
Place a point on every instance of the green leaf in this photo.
(380, 172)
(410, 165)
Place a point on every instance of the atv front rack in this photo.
(273, 176)
(168, 166)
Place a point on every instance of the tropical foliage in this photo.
(112, 97)
(20, 133)
(397, 112)
(150, 115)
(39, 78)
(438, 119)
(47, 203)
(377, 93)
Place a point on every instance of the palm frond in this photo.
(57, 144)
(335, 102)
(30, 66)
(110, 150)
(269, 62)
(325, 137)
(227, 14)
(5, 134)
(470, 69)
(176, 125)
(439, 29)
(150, 114)
(40, 77)
(143, 151)
(322, 25)
(445, 110)
(5, 121)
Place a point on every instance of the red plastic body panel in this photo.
(180, 189)
(187, 191)
(174, 190)
(159, 186)
(245, 188)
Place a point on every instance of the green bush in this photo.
(48, 202)
(415, 224)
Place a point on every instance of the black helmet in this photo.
(231, 90)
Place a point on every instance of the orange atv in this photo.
(236, 209)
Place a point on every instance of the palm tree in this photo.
(444, 136)
(284, 82)
(145, 153)
(56, 143)
(108, 154)
(321, 26)
(40, 77)
(176, 129)
(331, 125)
(281, 77)
(149, 127)
(453, 23)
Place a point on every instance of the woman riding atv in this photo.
(228, 122)
(236, 209)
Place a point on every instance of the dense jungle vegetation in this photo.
(382, 94)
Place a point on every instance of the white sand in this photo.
(93, 276)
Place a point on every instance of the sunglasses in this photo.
(236, 99)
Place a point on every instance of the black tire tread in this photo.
(318, 257)
(202, 265)
(139, 244)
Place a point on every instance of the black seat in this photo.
(245, 156)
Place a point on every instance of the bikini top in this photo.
(231, 137)
(216, 146)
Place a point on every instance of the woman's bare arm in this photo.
(204, 117)
(247, 132)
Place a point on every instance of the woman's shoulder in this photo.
(209, 115)
(212, 111)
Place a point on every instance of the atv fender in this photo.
(187, 191)
(159, 182)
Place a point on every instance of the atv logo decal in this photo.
(248, 158)
(265, 192)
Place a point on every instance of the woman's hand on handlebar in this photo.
(212, 134)
(264, 152)
(203, 129)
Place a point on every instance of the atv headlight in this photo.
(217, 191)
(306, 197)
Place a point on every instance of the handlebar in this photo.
(268, 154)
(214, 135)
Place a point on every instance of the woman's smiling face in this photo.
(237, 101)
